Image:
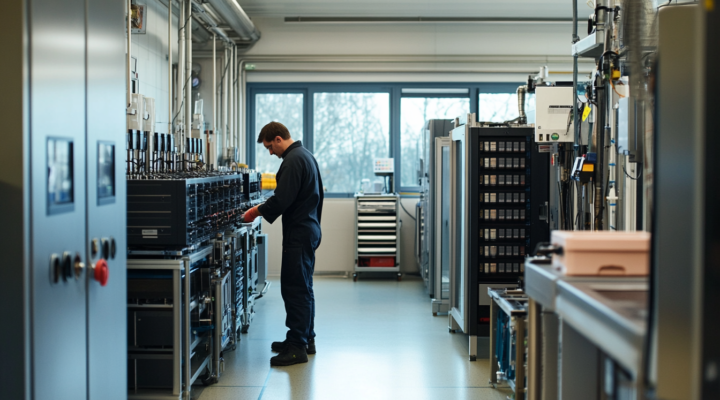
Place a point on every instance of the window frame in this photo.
(394, 89)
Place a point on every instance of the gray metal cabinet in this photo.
(439, 277)
(64, 189)
(427, 234)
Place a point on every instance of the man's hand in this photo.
(251, 214)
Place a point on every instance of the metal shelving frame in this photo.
(377, 231)
(184, 340)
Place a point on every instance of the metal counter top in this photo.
(612, 315)
(541, 282)
(513, 303)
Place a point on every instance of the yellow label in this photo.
(586, 111)
(710, 5)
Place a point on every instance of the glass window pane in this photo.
(286, 108)
(501, 107)
(350, 130)
(414, 114)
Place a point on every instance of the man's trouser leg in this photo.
(296, 289)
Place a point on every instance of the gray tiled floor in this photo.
(377, 339)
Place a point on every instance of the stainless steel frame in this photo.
(440, 270)
(184, 341)
(251, 272)
(515, 306)
(458, 228)
(425, 211)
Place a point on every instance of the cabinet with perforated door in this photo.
(510, 197)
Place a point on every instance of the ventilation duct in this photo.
(236, 19)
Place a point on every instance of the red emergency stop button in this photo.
(101, 272)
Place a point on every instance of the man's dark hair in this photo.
(272, 130)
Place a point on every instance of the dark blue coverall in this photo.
(299, 199)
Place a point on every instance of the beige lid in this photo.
(601, 240)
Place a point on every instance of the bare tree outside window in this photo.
(414, 114)
(286, 108)
(350, 130)
(501, 107)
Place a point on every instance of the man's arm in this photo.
(289, 183)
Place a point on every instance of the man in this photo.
(299, 199)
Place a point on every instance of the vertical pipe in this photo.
(231, 99)
(128, 101)
(233, 102)
(236, 108)
(214, 103)
(179, 141)
(170, 77)
(188, 72)
(241, 103)
(226, 142)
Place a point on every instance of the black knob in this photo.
(54, 268)
(66, 266)
(113, 247)
(105, 248)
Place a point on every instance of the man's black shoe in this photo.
(289, 356)
(280, 346)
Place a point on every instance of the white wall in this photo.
(337, 250)
(151, 49)
(468, 52)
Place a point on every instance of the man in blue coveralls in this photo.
(299, 199)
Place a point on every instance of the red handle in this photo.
(102, 273)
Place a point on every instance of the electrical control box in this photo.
(553, 115)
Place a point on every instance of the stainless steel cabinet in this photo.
(64, 189)
(439, 278)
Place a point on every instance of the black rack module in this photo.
(509, 195)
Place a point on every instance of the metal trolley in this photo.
(377, 234)
(508, 349)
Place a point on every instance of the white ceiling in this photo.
(413, 8)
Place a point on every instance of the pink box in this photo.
(602, 253)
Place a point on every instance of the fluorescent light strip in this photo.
(424, 20)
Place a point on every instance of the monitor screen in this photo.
(60, 173)
(106, 171)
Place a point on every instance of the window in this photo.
(414, 114)
(350, 130)
(501, 107)
(347, 125)
(286, 108)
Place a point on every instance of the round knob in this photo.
(113, 248)
(54, 268)
(66, 266)
(105, 248)
(101, 273)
